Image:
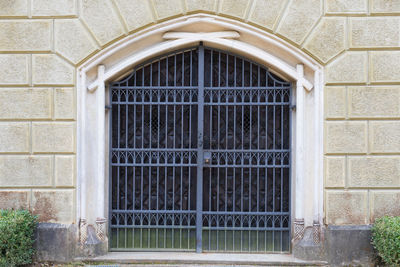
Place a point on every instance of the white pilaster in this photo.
(100, 179)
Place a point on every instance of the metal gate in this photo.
(200, 155)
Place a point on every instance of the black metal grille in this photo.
(200, 155)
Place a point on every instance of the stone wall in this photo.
(43, 41)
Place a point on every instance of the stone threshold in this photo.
(214, 259)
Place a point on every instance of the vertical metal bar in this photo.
(110, 172)
(200, 156)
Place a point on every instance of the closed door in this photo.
(200, 155)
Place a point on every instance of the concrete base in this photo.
(339, 246)
(55, 242)
(60, 243)
(205, 258)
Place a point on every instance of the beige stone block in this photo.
(385, 66)
(374, 102)
(15, 199)
(51, 8)
(266, 12)
(383, 203)
(168, 8)
(13, 8)
(374, 32)
(25, 103)
(14, 137)
(56, 206)
(72, 40)
(51, 69)
(64, 170)
(335, 171)
(335, 102)
(53, 137)
(384, 136)
(25, 35)
(346, 137)
(64, 100)
(102, 20)
(374, 171)
(351, 67)
(205, 5)
(299, 19)
(14, 69)
(385, 6)
(136, 13)
(26, 171)
(346, 6)
(346, 207)
(327, 39)
(235, 8)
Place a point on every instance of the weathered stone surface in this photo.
(168, 8)
(349, 245)
(14, 199)
(25, 103)
(51, 8)
(384, 202)
(384, 136)
(51, 69)
(102, 20)
(53, 205)
(327, 39)
(385, 66)
(351, 67)
(14, 69)
(25, 35)
(56, 242)
(346, 207)
(335, 102)
(235, 8)
(64, 103)
(136, 13)
(13, 8)
(206, 5)
(53, 137)
(299, 19)
(266, 12)
(335, 171)
(346, 6)
(374, 171)
(72, 40)
(385, 6)
(346, 137)
(26, 171)
(374, 32)
(374, 102)
(65, 170)
(14, 137)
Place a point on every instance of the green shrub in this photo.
(16, 237)
(386, 239)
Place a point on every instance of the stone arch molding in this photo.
(224, 33)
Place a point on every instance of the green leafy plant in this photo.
(17, 228)
(386, 239)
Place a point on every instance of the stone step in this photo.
(172, 259)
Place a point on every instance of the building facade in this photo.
(126, 124)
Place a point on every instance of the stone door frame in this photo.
(214, 31)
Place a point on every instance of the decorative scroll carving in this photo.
(83, 232)
(101, 229)
(316, 233)
(298, 229)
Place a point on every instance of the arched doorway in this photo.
(200, 155)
